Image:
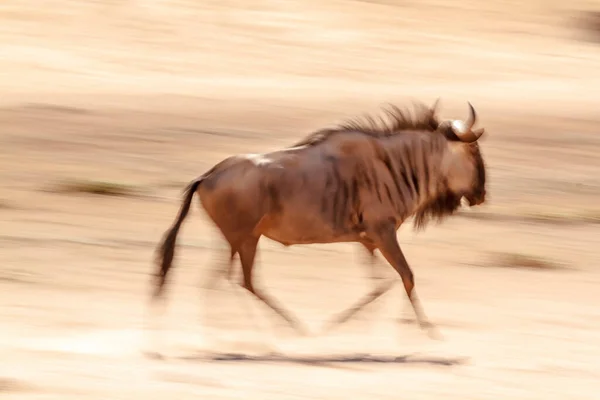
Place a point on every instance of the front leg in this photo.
(375, 274)
(382, 286)
(384, 237)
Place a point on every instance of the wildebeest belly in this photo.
(301, 232)
(303, 222)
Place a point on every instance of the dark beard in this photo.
(437, 209)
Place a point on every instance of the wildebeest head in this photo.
(463, 165)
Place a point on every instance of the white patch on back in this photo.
(258, 159)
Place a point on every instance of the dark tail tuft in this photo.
(166, 248)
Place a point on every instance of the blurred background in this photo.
(109, 107)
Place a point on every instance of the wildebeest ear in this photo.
(434, 107)
(445, 128)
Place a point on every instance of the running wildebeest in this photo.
(357, 182)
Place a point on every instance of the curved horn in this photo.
(470, 122)
(464, 130)
(471, 136)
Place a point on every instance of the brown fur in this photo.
(354, 183)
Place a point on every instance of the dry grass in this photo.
(55, 108)
(523, 261)
(102, 188)
(12, 385)
(590, 23)
(581, 216)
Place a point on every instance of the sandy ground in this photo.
(150, 94)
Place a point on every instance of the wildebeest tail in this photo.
(166, 248)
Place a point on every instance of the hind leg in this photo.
(221, 269)
(247, 253)
(214, 322)
(249, 310)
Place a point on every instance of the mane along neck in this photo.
(413, 148)
(394, 121)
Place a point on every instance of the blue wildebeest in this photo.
(357, 182)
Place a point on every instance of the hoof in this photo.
(154, 355)
(405, 321)
(302, 331)
(432, 331)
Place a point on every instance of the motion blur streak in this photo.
(108, 108)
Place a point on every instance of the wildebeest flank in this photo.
(357, 182)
